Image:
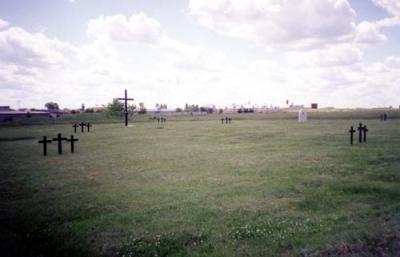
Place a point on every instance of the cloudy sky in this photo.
(342, 53)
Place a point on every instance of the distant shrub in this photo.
(142, 111)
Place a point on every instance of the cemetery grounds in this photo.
(195, 187)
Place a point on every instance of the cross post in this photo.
(351, 131)
(82, 124)
(59, 140)
(75, 126)
(360, 132)
(88, 125)
(72, 140)
(365, 133)
(44, 142)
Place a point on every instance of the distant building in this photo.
(296, 107)
(9, 116)
(314, 106)
(173, 112)
(5, 109)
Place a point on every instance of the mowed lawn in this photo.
(198, 188)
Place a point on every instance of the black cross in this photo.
(44, 142)
(222, 121)
(365, 133)
(72, 140)
(126, 99)
(229, 119)
(82, 124)
(88, 125)
(351, 131)
(226, 120)
(59, 140)
(75, 126)
(360, 132)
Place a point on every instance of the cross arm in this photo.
(126, 99)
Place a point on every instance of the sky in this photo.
(337, 53)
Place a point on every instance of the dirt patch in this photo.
(377, 247)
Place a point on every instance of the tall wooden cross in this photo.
(44, 142)
(126, 99)
(59, 140)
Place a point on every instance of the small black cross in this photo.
(72, 140)
(351, 131)
(360, 132)
(365, 129)
(82, 124)
(75, 126)
(226, 120)
(44, 142)
(229, 119)
(126, 99)
(88, 125)
(222, 121)
(59, 140)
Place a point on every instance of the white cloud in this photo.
(369, 33)
(138, 27)
(333, 55)
(302, 22)
(39, 69)
(392, 6)
(3, 24)
(32, 50)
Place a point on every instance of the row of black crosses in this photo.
(362, 133)
(59, 140)
(162, 120)
(82, 125)
(226, 120)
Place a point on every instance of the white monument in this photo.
(302, 116)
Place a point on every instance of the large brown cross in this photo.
(126, 99)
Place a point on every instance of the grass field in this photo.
(257, 187)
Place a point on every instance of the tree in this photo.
(131, 109)
(161, 106)
(115, 108)
(52, 106)
(142, 109)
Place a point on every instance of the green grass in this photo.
(258, 187)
